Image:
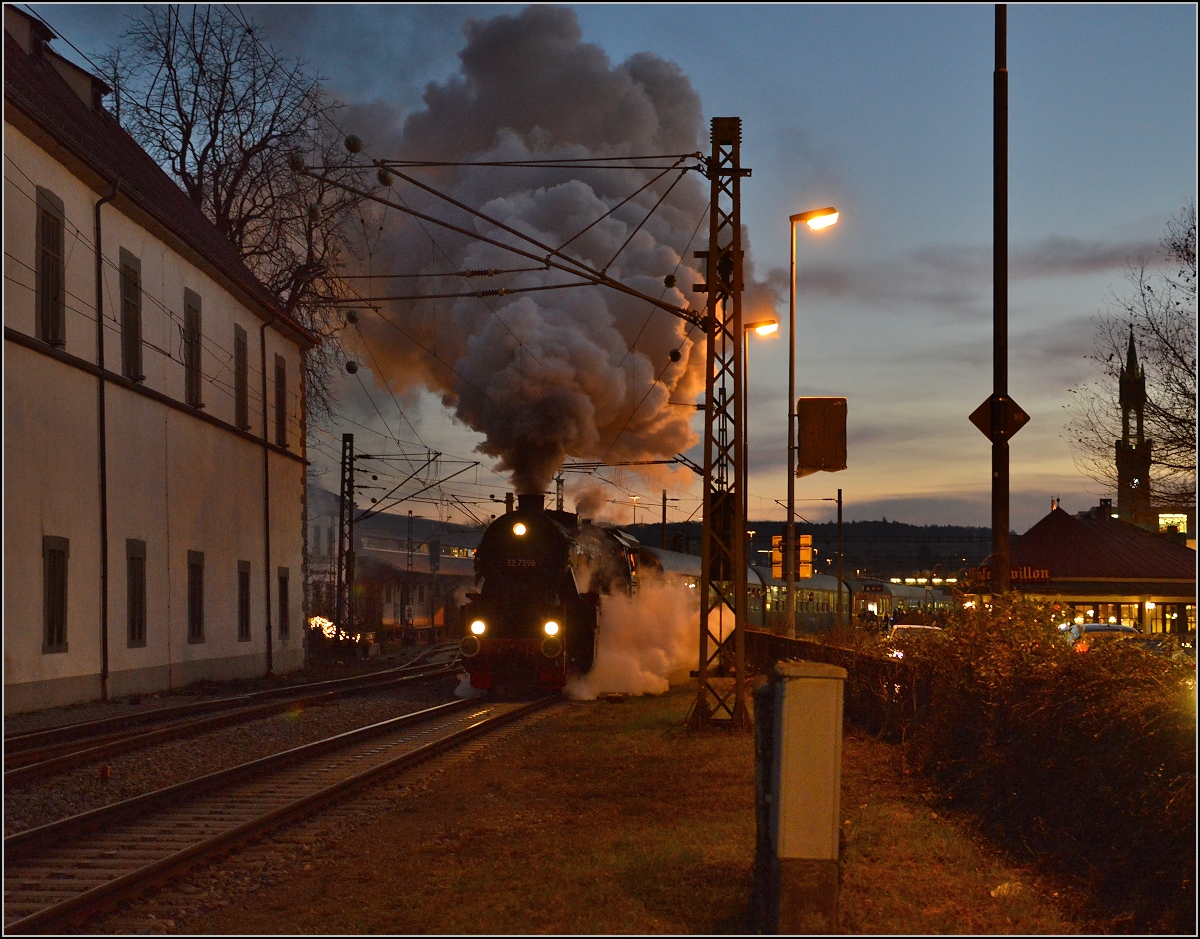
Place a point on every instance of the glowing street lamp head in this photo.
(816, 219)
(763, 327)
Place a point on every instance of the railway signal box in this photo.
(803, 561)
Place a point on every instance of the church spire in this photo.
(1133, 450)
(1131, 362)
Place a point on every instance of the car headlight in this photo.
(479, 627)
(551, 628)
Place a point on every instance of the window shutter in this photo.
(191, 348)
(51, 326)
(131, 316)
(281, 435)
(241, 379)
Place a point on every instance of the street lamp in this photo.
(761, 328)
(815, 219)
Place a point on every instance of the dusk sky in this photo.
(884, 111)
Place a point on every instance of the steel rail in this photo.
(70, 869)
(28, 740)
(60, 757)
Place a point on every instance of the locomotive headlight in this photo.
(551, 628)
(479, 627)
(519, 529)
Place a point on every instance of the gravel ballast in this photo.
(130, 774)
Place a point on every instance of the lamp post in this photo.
(762, 328)
(815, 219)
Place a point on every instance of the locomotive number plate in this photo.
(521, 562)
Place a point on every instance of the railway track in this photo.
(58, 874)
(36, 754)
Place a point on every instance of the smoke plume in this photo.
(645, 643)
(582, 372)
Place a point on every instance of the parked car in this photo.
(907, 637)
(1083, 635)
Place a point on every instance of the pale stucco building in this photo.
(154, 445)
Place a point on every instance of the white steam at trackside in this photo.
(580, 372)
(645, 643)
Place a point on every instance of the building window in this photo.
(131, 317)
(195, 596)
(241, 380)
(284, 623)
(51, 324)
(191, 348)
(243, 601)
(281, 436)
(135, 591)
(54, 595)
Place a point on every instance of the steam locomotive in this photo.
(541, 574)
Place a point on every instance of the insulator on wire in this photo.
(669, 281)
(351, 367)
(385, 177)
(354, 144)
(675, 355)
(352, 317)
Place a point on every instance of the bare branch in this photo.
(1159, 305)
(221, 111)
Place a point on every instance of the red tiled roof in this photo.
(95, 137)
(1070, 547)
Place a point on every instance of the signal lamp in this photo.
(519, 529)
(551, 628)
(478, 627)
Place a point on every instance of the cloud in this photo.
(553, 373)
(957, 280)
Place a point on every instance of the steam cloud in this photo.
(581, 372)
(645, 643)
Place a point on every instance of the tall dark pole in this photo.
(839, 567)
(1001, 565)
(789, 535)
(664, 520)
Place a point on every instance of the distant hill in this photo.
(872, 548)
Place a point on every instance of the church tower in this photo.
(1133, 449)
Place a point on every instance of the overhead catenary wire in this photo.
(574, 267)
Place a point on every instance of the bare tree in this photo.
(1160, 308)
(221, 111)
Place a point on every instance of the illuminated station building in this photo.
(1101, 569)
